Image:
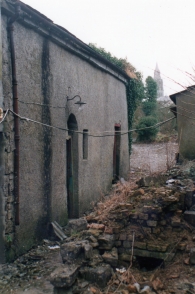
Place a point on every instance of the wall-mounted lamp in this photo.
(79, 102)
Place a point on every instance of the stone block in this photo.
(156, 231)
(138, 192)
(88, 250)
(141, 222)
(99, 275)
(117, 243)
(94, 232)
(133, 215)
(175, 222)
(92, 239)
(125, 257)
(189, 216)
(64, 276)
(182, 200)
(130, 237)
(106, 242)
(181, 246)
(154, 216)
(151, 209)
(70, 251)
(10, 214)
(77, 225)
(94, 244)
(192, 256)
(140, 245)
(117, 229)
(147, 209)
(100, 227)
(179, 213)
(151, 223)
(116, 237)
(193, 199)
(9, 228)
(108, 231)
(188, 198)
(151, 181)
(9, 206)
(9, 163)
(121, 250)
(123, 237)
(127, 244)
(122, 215)
(173, 207)
(161, 255)
(178, 229)
(10, 199)
(163, 222)
(111, 257)
(169, 229)
(147, 230)
(157, 247)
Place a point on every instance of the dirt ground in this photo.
(32, 276)
(153, 158)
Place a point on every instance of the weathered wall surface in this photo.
(9, 145)
(44, 73)
(185, 109)
(2, 167)
(106, 105)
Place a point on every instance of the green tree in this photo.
(145, 130)
(149, 104)
(151, 89)
(149, 108)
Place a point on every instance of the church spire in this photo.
(159, 81)
(157, 69)
(157, 72)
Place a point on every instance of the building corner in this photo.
(2, 164)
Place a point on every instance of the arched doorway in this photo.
(72, 168)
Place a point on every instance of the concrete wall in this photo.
(185, 102)
(44, 73)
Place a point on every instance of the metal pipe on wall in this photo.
(15, 109)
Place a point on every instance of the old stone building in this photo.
(49, 173)
(159, 81)
(184, 109)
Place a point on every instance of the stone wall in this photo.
(148, 229)
(185, 109)
(9, 146)
(152, 222)
(44, 73)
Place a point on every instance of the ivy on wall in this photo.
(134, 87)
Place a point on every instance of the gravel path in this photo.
(153, 158)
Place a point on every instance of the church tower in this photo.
(159, 81)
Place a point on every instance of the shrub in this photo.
(149, 108)
(147, 134)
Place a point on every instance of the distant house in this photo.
(53, 174)
(185, 110)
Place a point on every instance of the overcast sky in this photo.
(144, 31)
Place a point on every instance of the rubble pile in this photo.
(137, 228)
(139, 239)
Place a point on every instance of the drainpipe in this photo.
(15, 109)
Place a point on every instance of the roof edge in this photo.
(31, 14)
(173, 96)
